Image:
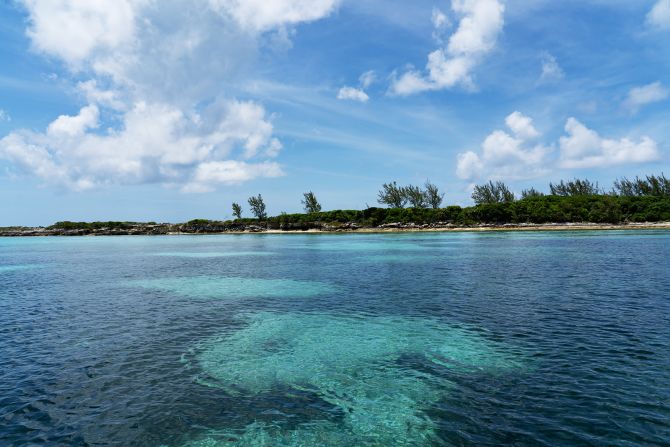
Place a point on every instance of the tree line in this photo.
(257, 206)
(651, 185)
(429, 196)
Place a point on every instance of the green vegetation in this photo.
(491, 193)
(531, 192)
(392, 195)
(534, 210)
(237, 210)
(67, 225)
(258, 207)
(310, 203)
(652, 185)
(638, 200)
(415, 196)
(395, 196)
(575, 187)
(433, 196)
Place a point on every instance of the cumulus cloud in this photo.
(584, 148)
(72, 126)
(96, 95)
(551, 71)
(358, 94)
(522, 126)
(73, 30)
(481, 22)
(646, 94)
(353, 94)
(659, 16)
(160, 75)
(158, 143)
(262, 15)
(505, 155)
(4, 116)
(516, 154)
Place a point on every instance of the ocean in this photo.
(403, 339)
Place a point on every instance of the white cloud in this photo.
(551, 71)
(584, 148)
(352, 94)
(162, 74)
(95, 95)
(478, 29)
(229, 172)
(4, 116)
(73, 126)
(504, 155)
(158, 143)
(262, 15)
(441, 24)
(659, 16)
(646, 94)
(358, 94)
(515, 156)
(439, 19)
(73, 30)
(522, 126)
(367, 79)
(469, 165)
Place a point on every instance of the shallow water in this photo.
(297, 340)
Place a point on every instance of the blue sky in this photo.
(166, 111)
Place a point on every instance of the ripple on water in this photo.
(236, 287)
(365, 246)
(206, 254)
(352, 363)
(397, 258)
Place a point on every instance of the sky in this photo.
(165, 111)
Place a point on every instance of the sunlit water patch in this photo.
(18, 267)
(355, 364)
(235, 287)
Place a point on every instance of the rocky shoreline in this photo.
(316, 227)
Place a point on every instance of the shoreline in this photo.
(387, 228)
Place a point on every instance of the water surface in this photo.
(442, 339)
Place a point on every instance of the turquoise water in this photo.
(445, 339)
(17, 267)
(214, 254)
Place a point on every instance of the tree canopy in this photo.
(257, 206)
(490, 192)
(310, 203)
(237, 210)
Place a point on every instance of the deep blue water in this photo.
(458, 339)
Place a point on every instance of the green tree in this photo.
(415, 196)
(392, 195)
(237, 210)
(531, 192)
(576, 187)
(491, 192)
(310, 203)
(257, 207)
(652, 185)
(433, 196)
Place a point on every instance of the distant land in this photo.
(575, 204)
(548, 212)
